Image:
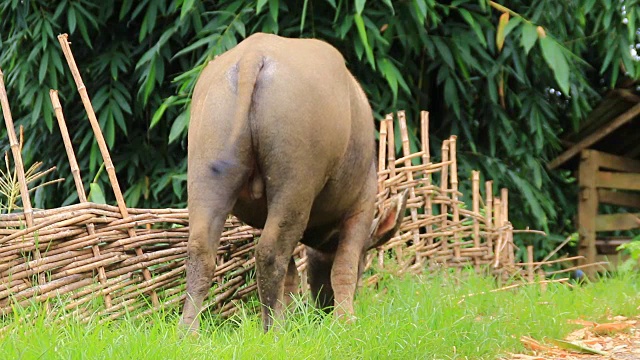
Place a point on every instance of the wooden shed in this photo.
(605, 153)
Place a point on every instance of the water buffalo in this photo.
(282, 136)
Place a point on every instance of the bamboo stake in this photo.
(66, 49)
(406, 151)
(391, 158)
(426, 159)
(444, 184)
(382, 165)
(504, 196)
(75, 171)
(498, 217)
(391, 150)
(475, 185)
(488, 207)
(18, 165)
(454, 191)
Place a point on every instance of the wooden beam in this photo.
(619, 163)
(613, 222)
(594, 137)
(587, 209)
(616, 180)
(619, 198)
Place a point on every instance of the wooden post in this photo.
(75, 171)
(587, 209)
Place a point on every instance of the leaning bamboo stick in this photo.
(19, 166)
(66, 49)
(75, 171)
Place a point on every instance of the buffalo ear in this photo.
(385, 226)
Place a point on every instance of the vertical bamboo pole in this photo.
(19, 166)
(488, 208)
(426, 159)
(498, 217)
(391, 163)
(453, 156)
(66, 49)
(444, 185)
(382, 154)
(475, 188)
(75, 171)
(391, 151)
(382, 165)
(504, 197)
(406, 151)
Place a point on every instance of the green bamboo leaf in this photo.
(304, 15)
(157, 115)
(443, 51)
(71, 20)
(359, 6)
(274, 9)
(259, 5)
(239, 26)
(390, 5)
(96, 194)
(44, 67)
(466, 15)
(187, 5)
(179, 126)
(420, 6)
(365, 42)
(529, 37)
(554, 56)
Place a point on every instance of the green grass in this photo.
(404, 318)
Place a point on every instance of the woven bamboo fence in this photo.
(88, 259)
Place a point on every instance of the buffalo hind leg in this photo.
(347, 263)
(284, 228)
(209, 205)
(319, 266)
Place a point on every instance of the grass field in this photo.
(404, 318)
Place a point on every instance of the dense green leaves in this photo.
(493, 85)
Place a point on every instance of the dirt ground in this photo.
(618, 339)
